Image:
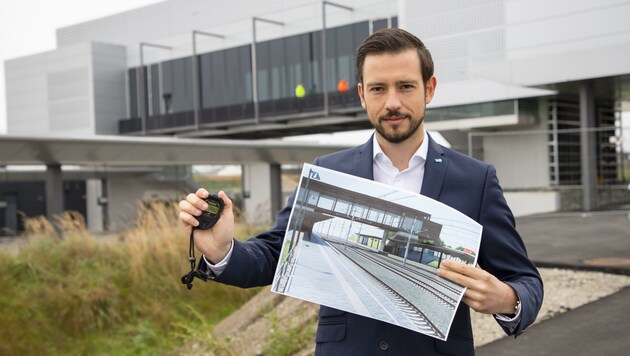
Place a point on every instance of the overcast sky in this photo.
(28, 27)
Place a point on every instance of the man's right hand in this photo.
(215, 242)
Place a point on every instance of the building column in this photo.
(54, 191)
(96, 201)
(9, 208)
(262, 192)
(588, 146)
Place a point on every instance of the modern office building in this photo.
(536, 88)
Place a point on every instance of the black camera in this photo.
(211, 215)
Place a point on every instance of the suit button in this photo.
(383, 345)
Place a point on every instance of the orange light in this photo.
(342, 86)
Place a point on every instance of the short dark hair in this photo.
(394, 40)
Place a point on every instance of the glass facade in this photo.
(226, 85)
(565, 167)
(289, 82)
(284, 67)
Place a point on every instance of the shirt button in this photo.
(383, 345)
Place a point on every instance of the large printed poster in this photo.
(372, 249)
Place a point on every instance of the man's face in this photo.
(393, 94)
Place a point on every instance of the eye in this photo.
(407, 87)
(376, 89)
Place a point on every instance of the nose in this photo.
(393, 102)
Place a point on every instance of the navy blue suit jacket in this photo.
(454, 179)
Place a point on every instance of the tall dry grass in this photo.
(66, 291)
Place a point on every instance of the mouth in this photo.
(394, 120)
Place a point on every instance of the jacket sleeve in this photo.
(503, 253)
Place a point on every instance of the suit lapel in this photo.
(363, 161)
(434, 170)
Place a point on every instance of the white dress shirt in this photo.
(409, 179)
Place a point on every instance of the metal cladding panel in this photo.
(564, 25)
(522, 42)
(50, 91)
(171, 23)
(458, 33)
(108, 80)
(68, 99)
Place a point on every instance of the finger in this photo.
(460, 268)
(187, 219)
(473, 295)
(227, 202)
(189, 208)
(202, 193)
(474, 304)
(196, 201)
(456, 277)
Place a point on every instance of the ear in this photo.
(430, 89)
(360, 91)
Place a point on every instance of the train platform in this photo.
(324, 273)
(598, 241)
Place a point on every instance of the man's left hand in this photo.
(484, 293)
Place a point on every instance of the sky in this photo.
(29, 26)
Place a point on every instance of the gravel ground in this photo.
(564, 290)
(246, 331)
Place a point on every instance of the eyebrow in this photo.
(399, 82)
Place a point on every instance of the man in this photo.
(395, 83)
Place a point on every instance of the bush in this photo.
(67, 292)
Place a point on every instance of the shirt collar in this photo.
(421, 153)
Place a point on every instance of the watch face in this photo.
(213, 207)
(211, 215)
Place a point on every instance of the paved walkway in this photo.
(597, 241)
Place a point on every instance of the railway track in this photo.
(443, 290)
(415, 315)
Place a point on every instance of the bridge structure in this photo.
(118, 171)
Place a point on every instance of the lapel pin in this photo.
(438, 160)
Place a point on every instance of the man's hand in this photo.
(484, 293)
(215, 242)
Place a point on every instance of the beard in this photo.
(398, 135)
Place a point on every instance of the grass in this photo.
(67, 292)
(288, 340)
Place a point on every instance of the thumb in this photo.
(227, 202)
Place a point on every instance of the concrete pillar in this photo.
(94, 216)
(588, 146)
(54, 190)
(262, 193)
(275, 181)
(9, 209)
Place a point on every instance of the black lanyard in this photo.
(187, 279)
